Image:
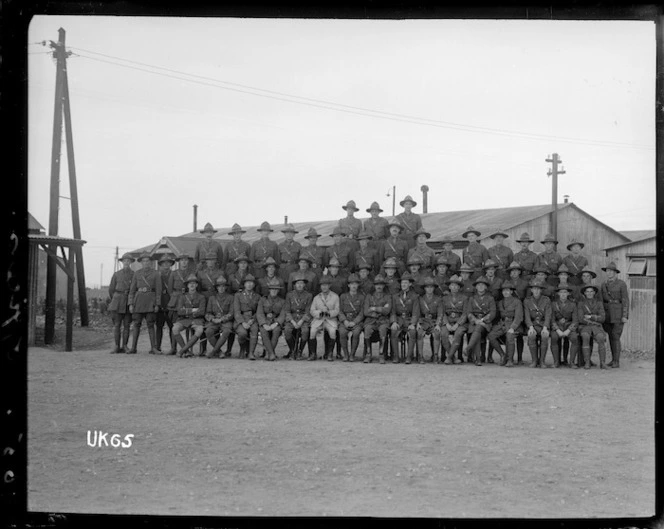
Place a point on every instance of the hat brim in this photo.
(275, 264)
(374, 209)
(379, 283)
(580, 274)
(465, 234)
(475, 283)
(428, 235)
(347, 207)
(312, 236)
(450, 282)
(567, 289)
(551, 240)
(238, 260)
(569, 246)
(589, 286)
(207, 231)
(604, 269)
(289, 231)
(395, 225)
(236, 231)
(264, 229)
(530, 241)
(132, 259)
(504, 235)
(411, 201)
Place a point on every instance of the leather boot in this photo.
(253, 340)
(381, 349)
(519, 350)
(420, 350)
(449, 358)
(354, 344)
(229, 349)
(344, 349)
(367, 352)
(586, 356)
(555, 351)
(153, 343)
(394, 346)
(483, 350)
(573, 351)
(116, 336)
(125, 339)
(544, 347)
(330, 352)
(534, 352)
(180, 341)
(495, 344)
(411, 348)
(158, 338)
(602, 355)
(216, 346)
(509, 354)
(135, 332)
(290, 342)
(186, 350)
(616, 356)
(312, 350)
(173, 342)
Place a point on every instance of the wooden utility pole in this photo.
(117, 256)
(554, 160)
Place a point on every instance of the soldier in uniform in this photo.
(245, 305)
(519, 283)
(118, 290)
(431, 320)
(236, 279)
(339, 251)
(392, 283)
(467, 285)
(441, 276)
(377, 310)
(394, 247)
(338, 283)
(541, 274)
(366, 254)
(208, 246)
(453, 260)
(366, 285)
(411, 222)
(563, 280)
(191, 313)
(564, 322)
(510, 318)
(616, 307)
(207, 276)
(480, 311)
(219, 316)
(537, 315)
(454, 320)
(270, 277)
(351, 225)
(574, 261)
(591, 317)
(262, 249)
(144, 301)
(404, 318)
(289, 251)
(271, 316)
(475, 253)
(177, 285)
(376, 226)
(495, 283)
(297, 319)
(500, 254)
(351, 316)
(234, 249)
(315, 253)
(324, 310)
(586, 276)
(163, 316)
(312, 279)
(526, 257)
(426, 254)
(550, 258)
(414, 268)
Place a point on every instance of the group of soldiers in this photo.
(381, 280)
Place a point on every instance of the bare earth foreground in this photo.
(234, 437)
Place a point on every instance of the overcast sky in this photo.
(469, 108)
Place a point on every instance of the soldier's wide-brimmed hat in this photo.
(482, 279)
(541, 270)
(312, 234)
(465, 267)
(508, 284)
(447, 239)
(325, 280)
(490, 263)
(422, 231)
(265, 226)
(337, 231)
(379, 280)
(334, 262)
(184, 256)
(407, 276)
(364, 234)
(221, 280)
(242, 257)
(587, 269)
(611, 266)
(455, 279)
(586, 287)
(208, 228)
(270, 261)
(408, 199)
(525, 237)
(374, 207)
(549, 238)
(144, 255)
(289, 228)
(305, 257)
(350, 205)
(515, 266)
(499, 233)
(299, 276)
(442, 260)
(428, 282)
(126, 256)
(573, 242)
(562, 269)
(166, 258)
(353, 278)
(248, 277)
(274, 284)
(236, 229)
(536, 283)
(568, 288)
(390, 262)
(470, 230)
(415, 260)
(395, 222)
(364, 265)
(192, 279)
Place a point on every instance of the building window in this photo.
(637, 267)
(651, 267)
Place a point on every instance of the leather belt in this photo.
(615, 301)
(145, 289)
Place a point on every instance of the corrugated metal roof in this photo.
(628, 243)
(638, 235)
(39, 238)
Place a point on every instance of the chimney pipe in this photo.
(285, 219)
(566, 197)
(425, 191)
(195, 217)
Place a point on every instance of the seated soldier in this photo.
(537, 315)
(591, 315)
(454, 320)
(564, 322)
(297, 318)
(453, 260)
(190, 309)
(351, 316)
(219, 318)
(509, 325)
(271, 316)
(245, 305)
(521, 288)
(404, 318)
(338, 283)
(431, 320)
(377, 310)
(480, 311)
(324, 311)
(467, 284)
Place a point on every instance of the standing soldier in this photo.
(526, 257)
(312, 279)
(541, 274)
(616, 307)
(352, 225)
(495, 284)
(338, 283)
(392, 283)
(366, 255)
(467, 285)
(415, 268)
(339, 251)
(454, 320)
(366, 286)
(475, 253)
(431, 320)
(245, 306)
(501, 254)
(394, 247)
(270, 277)
(587, 275)
(376, 226)
(537, 315)
(377, 310)
(236, 279)
(453, 260)
(271, 318)
(207, 276)
(441, 276)
(289, 251)
(118, 290)
(411, 222)
(219, 316)
(324, 311)
(144, 301)
(480, 311)
(208, 246)
(550, 258)
(425, 253)
(574, 261)
(234, 249)
(510, 318)
(564, 322)
(191, 313)
(351, 315)
(262, 249)
(404, 318)
(564, 280)
(591, 317)
(315, 253)
(298, 302)
(163, 316)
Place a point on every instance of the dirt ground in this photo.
(239, 438)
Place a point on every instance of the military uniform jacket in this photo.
(339, 284)
(261, 250)
(208, 279)
(351, 307)
(454, 309)
(316, 254)
(474, 255)
(392, 284)
(289, 252)
(537, 312)
(441, 286)
(342, 252)
(396, 248)
(564, 315)
(118, 290)
(410, 222)
(382, 302)
(368, 256)
(221, 306)
(271, 310)
(297, 305)
(551, 260)
(366, 286)
(496, 287)
(321, 303)
(522, 288)
(468, 289)
(207, 247)
(236, 282)
(352, 225)
(510, 311)
(165, 292)
(453, 261)
(262, 287)
(405, 305)
(595, 308)
(232, 251)
(191, 305)
(616, 300)
(575, 265)
(482, 308)
(548, 291)
(527, 260)
(572, 293)
(431, 309)
(177, 286)
(145, 290)
(377, 227)
(425, 253)
(245, 305)
(502, 255)
(310, 286)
